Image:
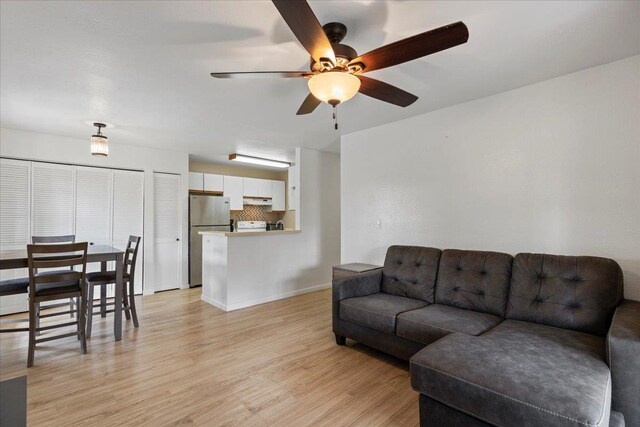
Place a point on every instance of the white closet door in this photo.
(14, 204)
(93, 205)
(15, 230)
(128, 215)
(53, 199)
(167, 231)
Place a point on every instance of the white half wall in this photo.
(51, 148)
(552, 167)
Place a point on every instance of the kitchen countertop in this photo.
(251, 233)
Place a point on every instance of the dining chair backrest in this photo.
(131, 255)
(69, 238)
(56, 256)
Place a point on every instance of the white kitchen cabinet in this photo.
(265, 188)
(251, 187)
(196, 181)
(279, 195)
(234, 190)
(213, 182)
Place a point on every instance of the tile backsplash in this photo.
(256, 213)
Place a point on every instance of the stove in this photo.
(246, 226)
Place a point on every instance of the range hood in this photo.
(256, 201)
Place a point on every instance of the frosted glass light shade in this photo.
(99, 145)
(334, 85)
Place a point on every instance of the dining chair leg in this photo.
(82, 316)
(132, 305)
(125, 302)
(37, 308)
(71, 304)
(32, 333)
(103, 301)
(89, 309)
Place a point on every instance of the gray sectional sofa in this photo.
(530, 340)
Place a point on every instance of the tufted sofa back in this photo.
(410, 271)
(474, 280)
(569, 292)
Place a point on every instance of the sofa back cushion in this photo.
(578, 293)
(474, 280)
(410, 271)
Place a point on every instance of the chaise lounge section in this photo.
(498, 340)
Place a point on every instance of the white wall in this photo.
(552, 167)
(36, 146)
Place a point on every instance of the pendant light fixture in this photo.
(99, 142)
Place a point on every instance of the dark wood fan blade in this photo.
(260, 74)
(414, 47)
(308, 105)
(385, 92)
(305, 26)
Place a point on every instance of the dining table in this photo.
(13, 259)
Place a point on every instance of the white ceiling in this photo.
(144, 66)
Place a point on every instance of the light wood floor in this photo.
(276, 364)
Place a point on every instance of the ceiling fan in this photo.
(336, 70)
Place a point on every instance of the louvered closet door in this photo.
(14, 222)
(93, 205)
(53, 203)
(128, 215)
(167, 231)
(93, 210)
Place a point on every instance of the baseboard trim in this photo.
(258, 301)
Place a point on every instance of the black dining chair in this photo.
(20, 285)
(104, 278)
(54, 285)
(69, 238)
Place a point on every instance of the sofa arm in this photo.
(358, 285)
(623, 356)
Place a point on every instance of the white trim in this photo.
(257, 301)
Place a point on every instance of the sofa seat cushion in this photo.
(430, 323)
(519, 373)
(377, 311)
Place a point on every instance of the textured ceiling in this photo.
(144, 66)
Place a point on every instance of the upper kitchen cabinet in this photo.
(251, 187)
(233, 189)
(196, 181)
(265, 188)
(213, 182)
(279, 196)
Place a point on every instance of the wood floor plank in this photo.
(276, 364)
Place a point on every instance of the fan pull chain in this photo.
(335, 116)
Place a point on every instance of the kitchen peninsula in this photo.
(244, 269)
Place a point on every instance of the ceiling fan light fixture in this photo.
(99, 142)
(259, 161)
(334, 86)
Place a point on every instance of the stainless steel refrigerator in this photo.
(206, 213)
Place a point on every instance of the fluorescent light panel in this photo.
(258, 161)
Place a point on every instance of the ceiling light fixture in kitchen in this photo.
(258, 161)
